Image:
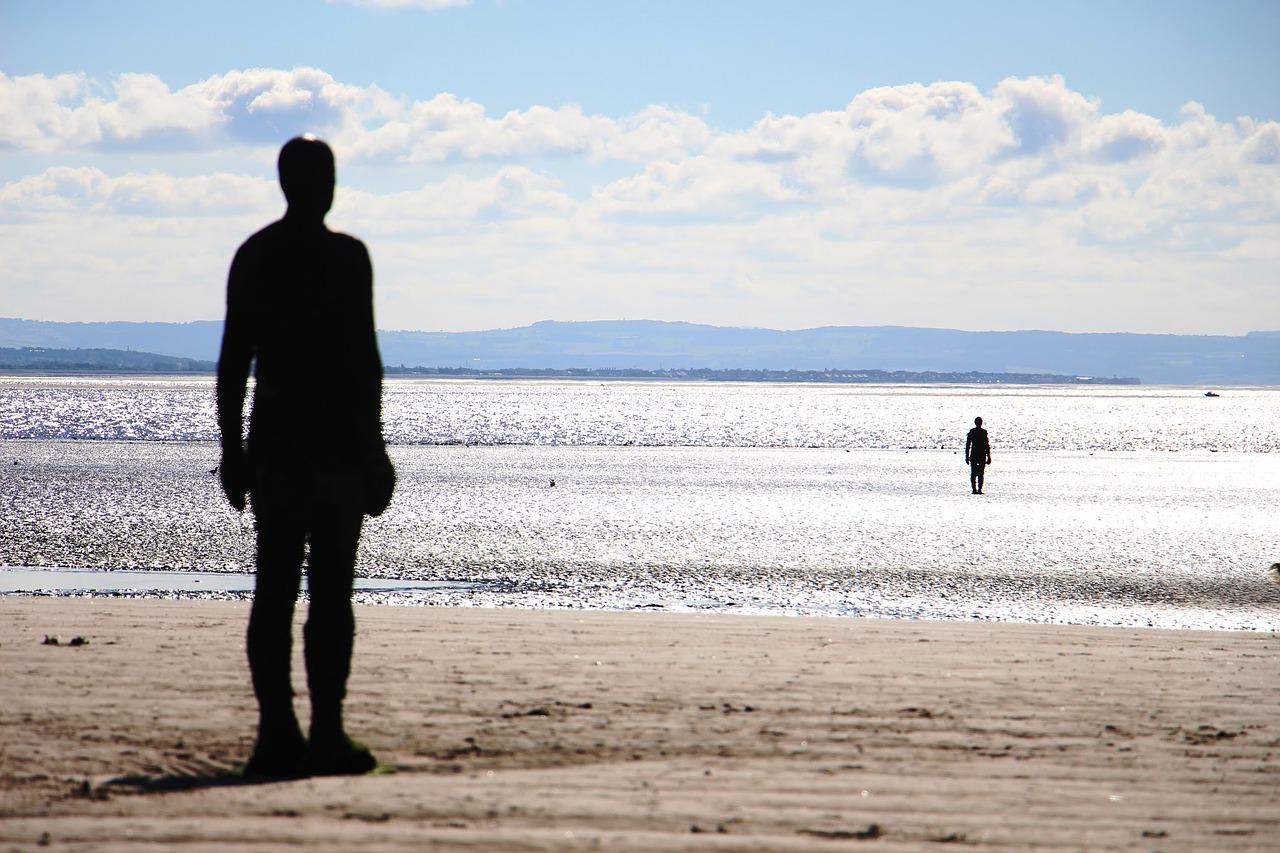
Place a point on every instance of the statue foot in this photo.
(339, 755)
(279, 755)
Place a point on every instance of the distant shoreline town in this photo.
(45, 360)
(878, 377)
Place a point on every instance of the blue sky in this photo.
(1081, 166)
(736, 59)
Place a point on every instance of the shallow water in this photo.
(1124, 538)
(124, 582)
(704, 414)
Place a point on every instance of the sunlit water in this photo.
(1137, 506)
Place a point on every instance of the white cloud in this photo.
(1124, 137)
(1027, 204)
(699, 189)
(1042, 112)
(254, 107)
(512, 193)
(446, 127)
(1062, 189)
(35, 108)
(90, 190)
(934, 132)
(913, 135)
(656, 133)
(1263, 146)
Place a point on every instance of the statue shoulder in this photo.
(259, 241)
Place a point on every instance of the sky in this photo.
(1081, 166)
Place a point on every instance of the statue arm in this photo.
(370, 359)
(234, 360)
(380, 474)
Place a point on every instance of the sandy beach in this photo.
(506, 729)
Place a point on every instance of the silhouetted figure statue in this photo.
(977, 453)
(300, 308)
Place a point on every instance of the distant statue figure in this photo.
(300, 308)
(977, 455)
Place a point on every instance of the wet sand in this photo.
(559, 730)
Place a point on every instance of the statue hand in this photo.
(379, 483)
(234, 474)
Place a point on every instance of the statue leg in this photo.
(280, 750)
(329, 633)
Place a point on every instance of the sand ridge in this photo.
(507, 729)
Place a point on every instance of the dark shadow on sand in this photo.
(169, 782)
(195, 780)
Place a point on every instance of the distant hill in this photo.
(200, 339)
(652, 345)
(113, 360)
(1174, 359)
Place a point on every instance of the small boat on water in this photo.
(1212, 394)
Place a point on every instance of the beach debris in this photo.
(950, 838)
(553, 484)
(730, 709)
(89, 791)
(44, 839)
(1210, 734)
(545, 711)
(871, 832)
(52, 640)
(1154, 833)
(471, 748)
(532, 712)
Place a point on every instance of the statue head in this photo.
(307, 175)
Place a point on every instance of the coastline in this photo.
(515, 729)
